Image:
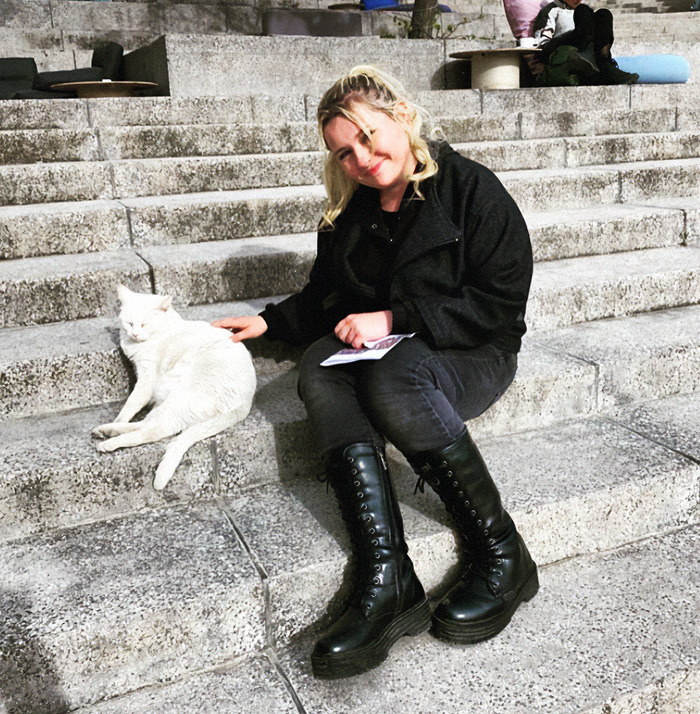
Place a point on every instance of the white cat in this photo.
(198, 381)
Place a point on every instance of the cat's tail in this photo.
(179, 445)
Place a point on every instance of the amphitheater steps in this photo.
(243, 553)
(212, 591)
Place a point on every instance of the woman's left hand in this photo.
(364, 327)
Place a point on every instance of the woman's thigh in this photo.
(419, 398)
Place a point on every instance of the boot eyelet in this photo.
(473, 513)
(377, 581)
(479, 523)
(455, 484)
(363, 507)
(450, 474)
(492, 542)
(377, 556)
(371, 531)
(354, 472)
(461, 494)
(356, 484)
(466, 503)
(378, 568)
(375, 543)
(443, 465)
(351, 459)
(360, 494)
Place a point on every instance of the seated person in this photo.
(576, 46)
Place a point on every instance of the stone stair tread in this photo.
(253, 685)
(587, 288)
(672, 422)
(480, 133)
(607, 632)
(108, 606)
(54, 476)
(66, 287)
(599, 168)
(129, 178)
(54, 357)
(216, 270)
(607, 472)
(291, 533)
(651, 105)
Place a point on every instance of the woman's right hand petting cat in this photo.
(196, 377)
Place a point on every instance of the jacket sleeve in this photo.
(301, 318)
(487, 304)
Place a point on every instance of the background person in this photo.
(576, 45)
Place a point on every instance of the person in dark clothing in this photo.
(415, 239)
(575, 42)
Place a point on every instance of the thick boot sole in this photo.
(348, 664)
(466, 633)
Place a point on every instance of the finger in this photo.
(226, 323)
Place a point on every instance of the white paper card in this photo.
(372, 350)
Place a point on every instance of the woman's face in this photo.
(383, 160)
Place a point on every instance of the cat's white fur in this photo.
(198, 381)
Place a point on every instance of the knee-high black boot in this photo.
(388, 601)
(502, 574)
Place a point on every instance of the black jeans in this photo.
(415, 397)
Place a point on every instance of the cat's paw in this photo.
(162, 477)
(102, 431)
(106, 446)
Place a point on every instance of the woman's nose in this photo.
(363, 154)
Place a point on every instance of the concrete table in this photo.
(88, 90)
(495, 69)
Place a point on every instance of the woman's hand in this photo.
(364, 327)
(243, 328)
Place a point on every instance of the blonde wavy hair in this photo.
(382, 92)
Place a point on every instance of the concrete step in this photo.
(576, 290)
(67, 482)
(582, 187)
(495, 142)
(89, 180)
(83, 226)
(66, 287)
(640, 357)
(521, 113)
(581, 151)
(564, 291)
(533, 189)
(53, 288)
(550, 660)
(107, 617)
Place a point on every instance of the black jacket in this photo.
(459, 278)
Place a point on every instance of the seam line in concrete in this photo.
(274, 661)
(653, 440)
(259, 568)
(151, 271)
(129, 225)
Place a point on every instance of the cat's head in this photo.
(142, 314)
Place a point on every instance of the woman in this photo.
(415, 239)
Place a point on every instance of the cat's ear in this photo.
(123, 292)
(166, 304)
